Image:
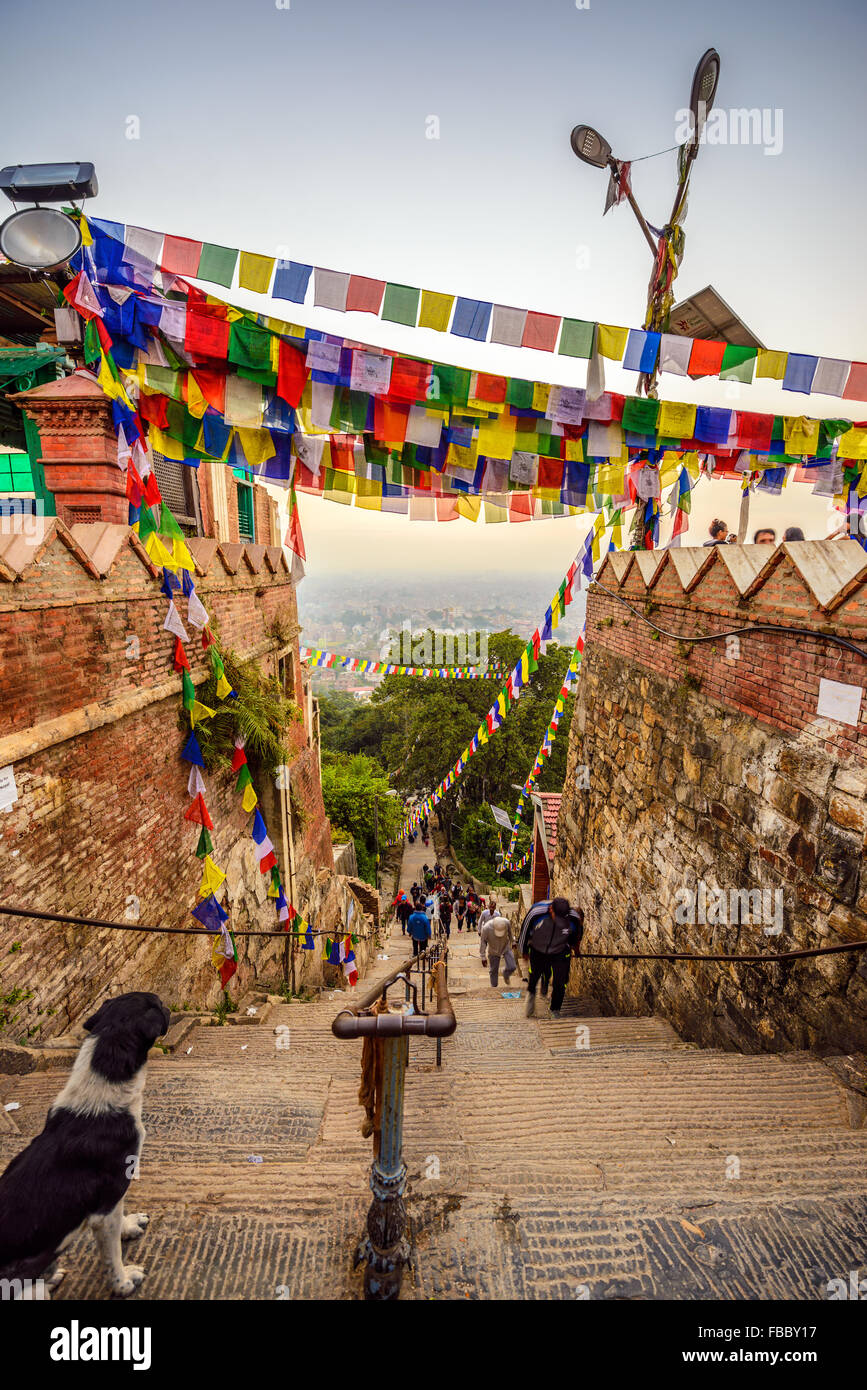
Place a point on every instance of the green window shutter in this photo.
(246, 520)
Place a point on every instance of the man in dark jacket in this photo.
(550, 947)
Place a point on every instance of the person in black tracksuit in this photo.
(552, 943)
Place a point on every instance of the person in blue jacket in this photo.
(420, 930)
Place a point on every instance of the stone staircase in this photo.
(538, 1169)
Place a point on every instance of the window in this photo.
(179, 485)
(16, 475)
(246, 518)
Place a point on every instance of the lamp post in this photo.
(592, 148)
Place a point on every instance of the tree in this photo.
(351, 785)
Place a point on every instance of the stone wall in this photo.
(91, 722)
(708, 763)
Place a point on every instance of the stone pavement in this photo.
(630, 1165)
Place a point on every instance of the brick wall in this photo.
(90, 718)
(709, 764)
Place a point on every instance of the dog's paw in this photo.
(132, 1276)
(134, 1225)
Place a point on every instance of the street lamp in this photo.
(592, 148)
(41, 238)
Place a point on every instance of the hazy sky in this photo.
(305, 129)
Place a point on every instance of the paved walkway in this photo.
(588, 1157)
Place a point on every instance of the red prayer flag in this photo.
(181, 663)
(180, 255)
(389, 421)
(856, 384)
(292, 374)
(491, 388)
(540, 331)
(206, 336)
(207, 638)
(154, 409)
(134, 485)
(550, 472)
(238, 760)
(364, 295)
(212, 385)
(754, 431)
(268, 862)
(521, 503)
(152, 494)
(227, 970)
(409, 380)
(706, 357)
(198, 813)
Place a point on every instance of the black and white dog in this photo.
(76, 1172)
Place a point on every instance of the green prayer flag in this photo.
(217, 265)
(401, 304)
(520, 393)
(639, 415)
(168, 525)
(146, 524)
(738, 364)
(189, 696)
(576, 338)
(205, 845)
(216, 662)
(91, 342)
(250, 346)
(244, 778)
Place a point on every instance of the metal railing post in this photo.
(386, 1248)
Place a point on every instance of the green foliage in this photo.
(8, 1001)
(415, 729)
(261, 715)
(350, 785)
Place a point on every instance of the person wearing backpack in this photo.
(553, 941)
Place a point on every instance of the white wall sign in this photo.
(839, 701)
(8, 789)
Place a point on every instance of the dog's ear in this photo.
(90, 1024)
(154, 1022)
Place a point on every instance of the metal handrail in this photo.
(385, 1249)
(357, 1021)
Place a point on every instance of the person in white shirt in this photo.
(495, 942)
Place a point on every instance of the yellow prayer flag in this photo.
(165, 445)
(86, 236)
(196, 403)
(541, 392)
(157, 551)
(436, 310)
(469, 507)
(610, 479)
(497, 437)
(853, 445)
(675, 420)
(610, 341)
(224, 688)
(801, 434)
(250, 799)
(181, 559)
(575, 450)
(258, 445)
(200, 712)
(772, 364)
(669, 470)
(255, 273)
(212, 877)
